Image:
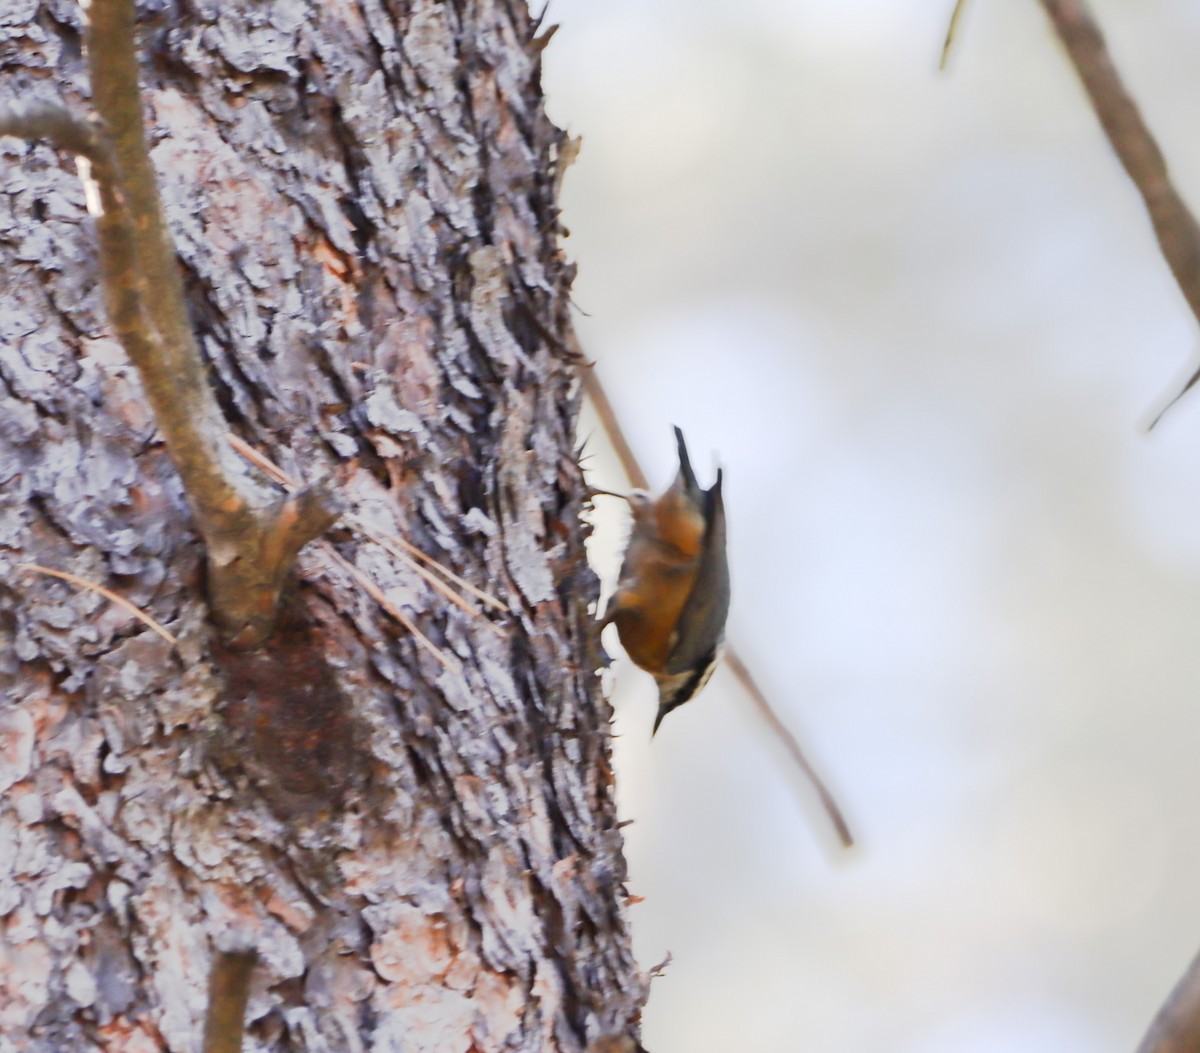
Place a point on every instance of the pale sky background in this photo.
(922, 322)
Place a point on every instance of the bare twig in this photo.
(251, 534)
(738, 668)
(260, 461)
(108, 594)
(376, 593)
(1176, 1028)
(951, 32)
(269, 467)
(612, 428)
(56, 124)
(397, 546)
(1174, 225)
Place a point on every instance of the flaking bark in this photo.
(423, 857)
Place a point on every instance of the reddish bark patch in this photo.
(290, 727)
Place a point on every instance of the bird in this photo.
(672, 596)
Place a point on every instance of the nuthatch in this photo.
(672, 596)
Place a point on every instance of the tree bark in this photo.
(422, 851)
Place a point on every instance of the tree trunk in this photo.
(421, 847)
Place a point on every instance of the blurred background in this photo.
(921, 320)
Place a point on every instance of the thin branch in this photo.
(270, 468)
(111, 43)
(612, 428)
(1175, 226)
(376, 593)
(108, 594)
(1176, 1028)
(403, 549)
(736, 666)
(393, 545)
(409, 549)
(57, 125)
(951, 33)
(252, 538)
(251, 535)
(397, 546)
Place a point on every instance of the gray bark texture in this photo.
(423, 851)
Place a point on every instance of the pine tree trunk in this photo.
(422, 848)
